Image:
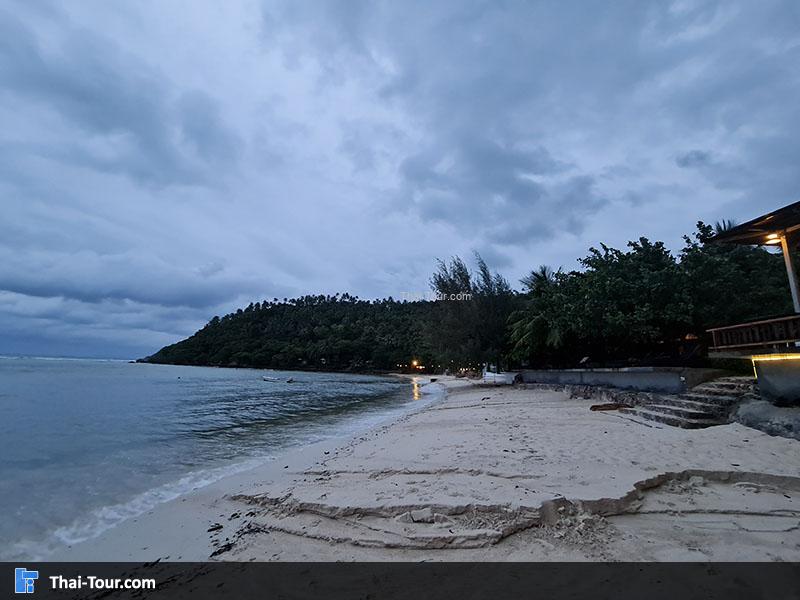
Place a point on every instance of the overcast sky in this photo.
(163, 162)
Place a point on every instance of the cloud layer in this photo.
(162, 163)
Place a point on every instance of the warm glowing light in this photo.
(772, 241)
(415, 362)
(769, 357)
(773, 236)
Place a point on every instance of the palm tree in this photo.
(531, 328)
(539, 279)
(724, 225)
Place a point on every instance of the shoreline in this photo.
(163, 531)
(490, 473)
(376, 373)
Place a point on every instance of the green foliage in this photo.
(339, 332)
(643, 302)
(731, 283)
(637, 304)
(635, 298)
(467, 325)
(724, 225)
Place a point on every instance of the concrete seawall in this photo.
(779, 378)
(651, 379)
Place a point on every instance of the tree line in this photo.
(640, 305)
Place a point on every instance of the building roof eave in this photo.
(754, 232)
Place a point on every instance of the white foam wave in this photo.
(107, 517)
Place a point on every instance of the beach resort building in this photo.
(771, 342)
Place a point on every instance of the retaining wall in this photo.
(673, 380)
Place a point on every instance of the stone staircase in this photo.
(702, 406)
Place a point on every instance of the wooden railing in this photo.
(769, 332)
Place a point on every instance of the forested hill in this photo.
(464, 327)
(642, 305)
(339, 332)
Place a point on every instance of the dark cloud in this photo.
(203, 128)
(91, 277)
(474, 182)
(693, 158)
(533, 71)
(92, 84)
(158, 167)
(494, 258)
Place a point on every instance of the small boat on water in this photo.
(290, 380)
(272, 379)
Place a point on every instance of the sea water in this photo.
(86, 444)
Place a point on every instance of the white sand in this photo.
(492, 474)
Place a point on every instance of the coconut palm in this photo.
(539, 279)
(724, 225)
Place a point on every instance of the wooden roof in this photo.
(781, 221)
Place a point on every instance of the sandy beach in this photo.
(491, 473)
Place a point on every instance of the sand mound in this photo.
(741, 496)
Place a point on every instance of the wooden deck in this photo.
(768, 333)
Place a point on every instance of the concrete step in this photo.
(681, 411)
(646, 412)
(719, 399)
(711, 407)
(703, 406)
(730, 383)
(709, 390)
(740, 379)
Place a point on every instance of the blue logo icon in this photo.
(23, 580)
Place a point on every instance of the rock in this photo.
(696, 481)
(440, 518)
(774, 420)
(754, 487)
(607, 406)
(423, 515)
(404, 518)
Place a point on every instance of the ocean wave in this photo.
(99, 520)
(104, 518)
